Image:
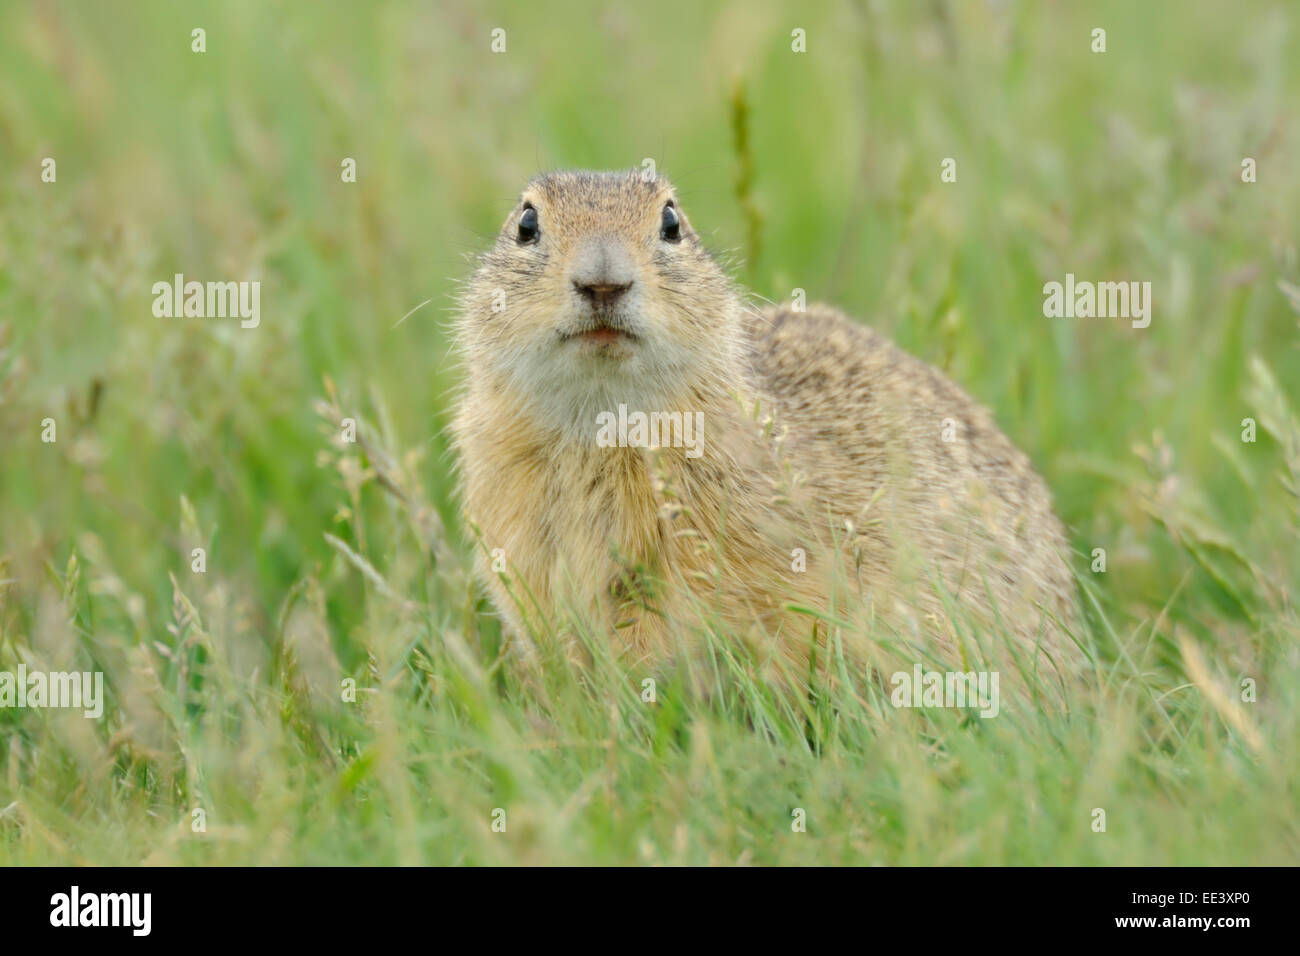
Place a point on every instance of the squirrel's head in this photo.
(598, 292)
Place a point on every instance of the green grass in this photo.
(328, 561)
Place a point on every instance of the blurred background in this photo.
(817, 170)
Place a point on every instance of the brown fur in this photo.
(818, 435)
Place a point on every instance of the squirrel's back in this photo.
(922, 471)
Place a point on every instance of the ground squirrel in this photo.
(832, 477)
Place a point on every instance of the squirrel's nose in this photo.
(601, 295)
(602, 271)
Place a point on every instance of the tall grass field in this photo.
(299, 665)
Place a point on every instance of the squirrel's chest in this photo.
(571, 525)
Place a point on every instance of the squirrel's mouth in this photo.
(600, 331)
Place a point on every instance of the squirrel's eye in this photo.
(528, 225)
(671, 229)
